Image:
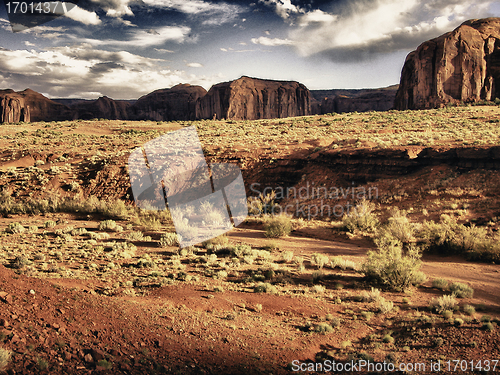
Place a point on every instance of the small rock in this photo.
(56, 326)
(88, 358)
(97, 354)
(32, 291)
(67, 356)
(6, 297)
(4, 323)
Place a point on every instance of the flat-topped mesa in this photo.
(176, 103)
(252, 98)
(460, 66)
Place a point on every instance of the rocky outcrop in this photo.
(176, 103)
(251, 99)
(362, 100)
(13, 107)
(460, 66)
(103, 107)
(29, 105)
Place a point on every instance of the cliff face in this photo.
(176, 103)
(29, 105)
(13, 108)
(460, 66)
(251, 98)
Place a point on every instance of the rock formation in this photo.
(460, 66)
(29, 105)
(176, 103)
(103, 107)
(13, 107)
(251, 98)
(363, 100)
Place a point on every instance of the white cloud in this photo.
(83, 16)
(265, 41)
(284, 8)
(194, 65)
(214, 13)
(364, 27)
(79, 70)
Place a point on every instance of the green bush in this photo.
(265, 288)
(399, 227)
(391, 267)
(461, 290)
(469, 310)
(440, 284)
(323, 328)
(15, 228)
(440, 304)
(169, 239)
(361, 218)
(278, 226)
(110, 225)
(319, 260)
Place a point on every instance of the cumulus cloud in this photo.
(358, 29)
(272, 42)
(83, 16)
(284, 8)
(79, 70)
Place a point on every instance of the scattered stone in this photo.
(32, 292)
(6, 297)
(88, 358)
(97, 354)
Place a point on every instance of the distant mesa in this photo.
(176, 103)
(252, 98)
(460, 66)
(245, 98)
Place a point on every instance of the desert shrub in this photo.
(169, 239)
(371, 296)
(440, 284)
(469, 310)
(440, 304)
(110, 225)
(15, 228)
(323, 328)
(461, 290)
(317, 276)
(319, 289)
(216, 242)
(319, 260)
(367, 315)
(263, 204)
(135, 236)
(447, 314)
(398, 226)
(4, 358)
(385, 306)
(361, 218)
(419, 278)
(265, 288)
(458, 322)
(106, 365)
(441, 237)
(278, 226)
(49, 224)
(391, 267)
(287, 256)
(388, 339)
(124, 250)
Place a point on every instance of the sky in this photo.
(124, 49)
